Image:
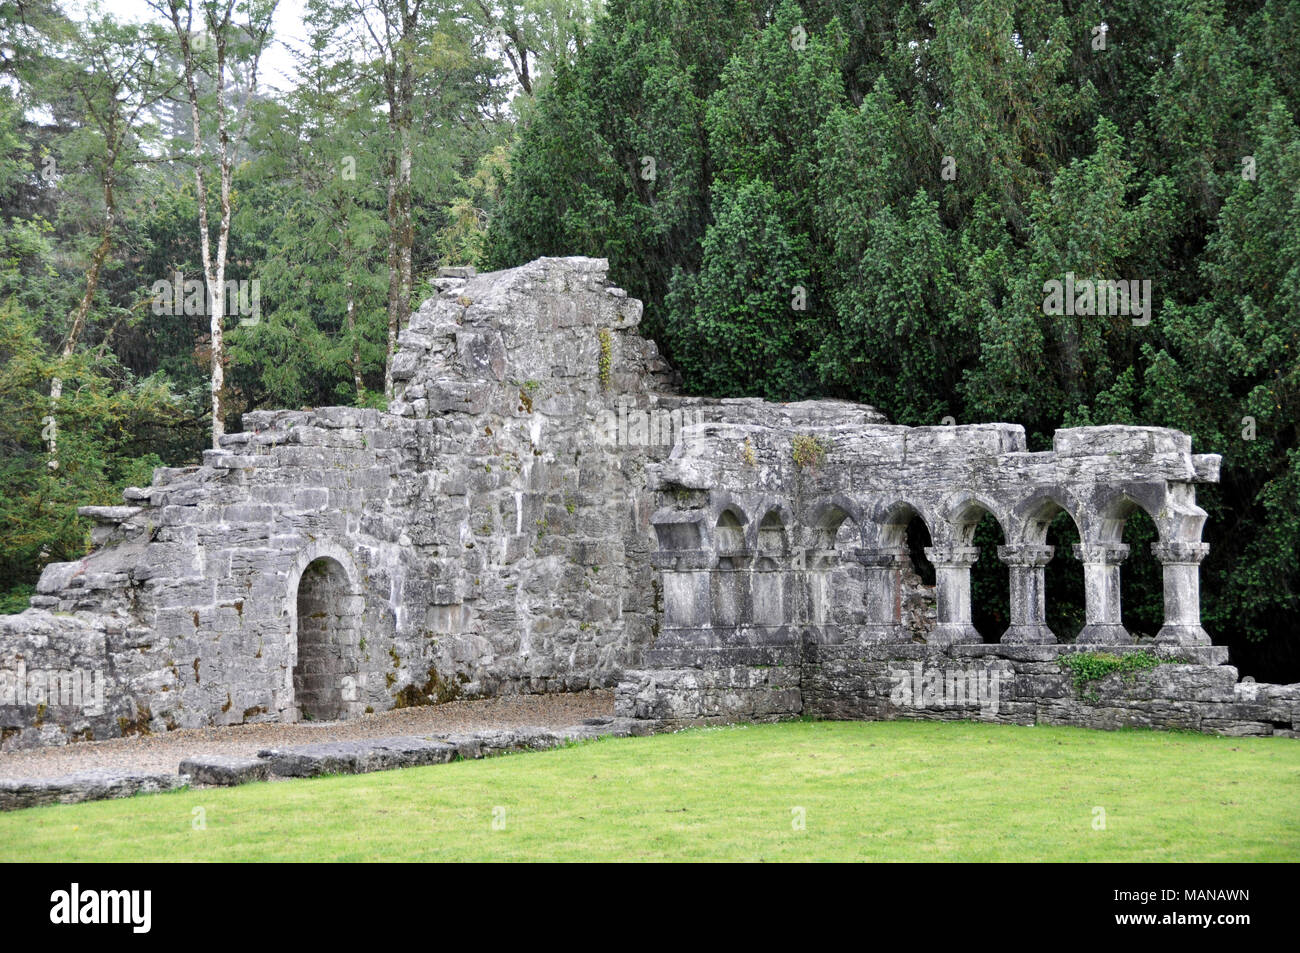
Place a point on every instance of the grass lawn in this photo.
(868, 791)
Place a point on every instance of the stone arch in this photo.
(889, 522)
(1051, 584)
(773, 537)
(325, 606)
(899, 581)
(987, 579)
(1029, 520)
(829, 520)
(729, 530)
(1113, 507)
(729, 584)
(962, 511)
(846, 595)
(768, 578)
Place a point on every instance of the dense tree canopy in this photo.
(865, 200)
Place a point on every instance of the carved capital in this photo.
(955, 556)
(1180, 553)
(1026, 554)
(1104, 554)
(889, 557)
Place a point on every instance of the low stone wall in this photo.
(1190, 688)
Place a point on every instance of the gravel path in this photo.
(163, 753)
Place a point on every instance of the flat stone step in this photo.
(381, 754)
(85, 786)
(355, 757)
(223, 771)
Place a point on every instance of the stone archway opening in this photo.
(1142, 592)
(917, 539)
(913, 587)
(1063, 579)
(990, 577)
(327, 634)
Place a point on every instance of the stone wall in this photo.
(489, 534)
(1189, 689)
(781, 546)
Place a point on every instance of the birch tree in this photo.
(212, 45)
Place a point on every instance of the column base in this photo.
(1183, 635)
(1032, 634)
(953, 633)
(1104, 633)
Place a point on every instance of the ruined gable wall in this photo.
(487, 535)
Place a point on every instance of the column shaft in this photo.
(952, 590)
(884, 596)
(1028, 598)
(1103, 621)
(1182, 572)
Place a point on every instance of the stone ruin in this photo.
(541, 510)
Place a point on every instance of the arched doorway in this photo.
(327, 635)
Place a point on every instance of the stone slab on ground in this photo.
(88, 786)
(222, 771)
(356, 757)
(382, 754)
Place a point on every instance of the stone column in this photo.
(1028, 602)
(769, 601)
(819, 565)
(688, 603)
(884, 595)
(952, 589)
(1102, 621)
(1182, 567)
(732, 591)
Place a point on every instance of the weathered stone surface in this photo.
(1013, 684)
(86, 786)
(356, 757)
(360, 757)
(225, 771)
